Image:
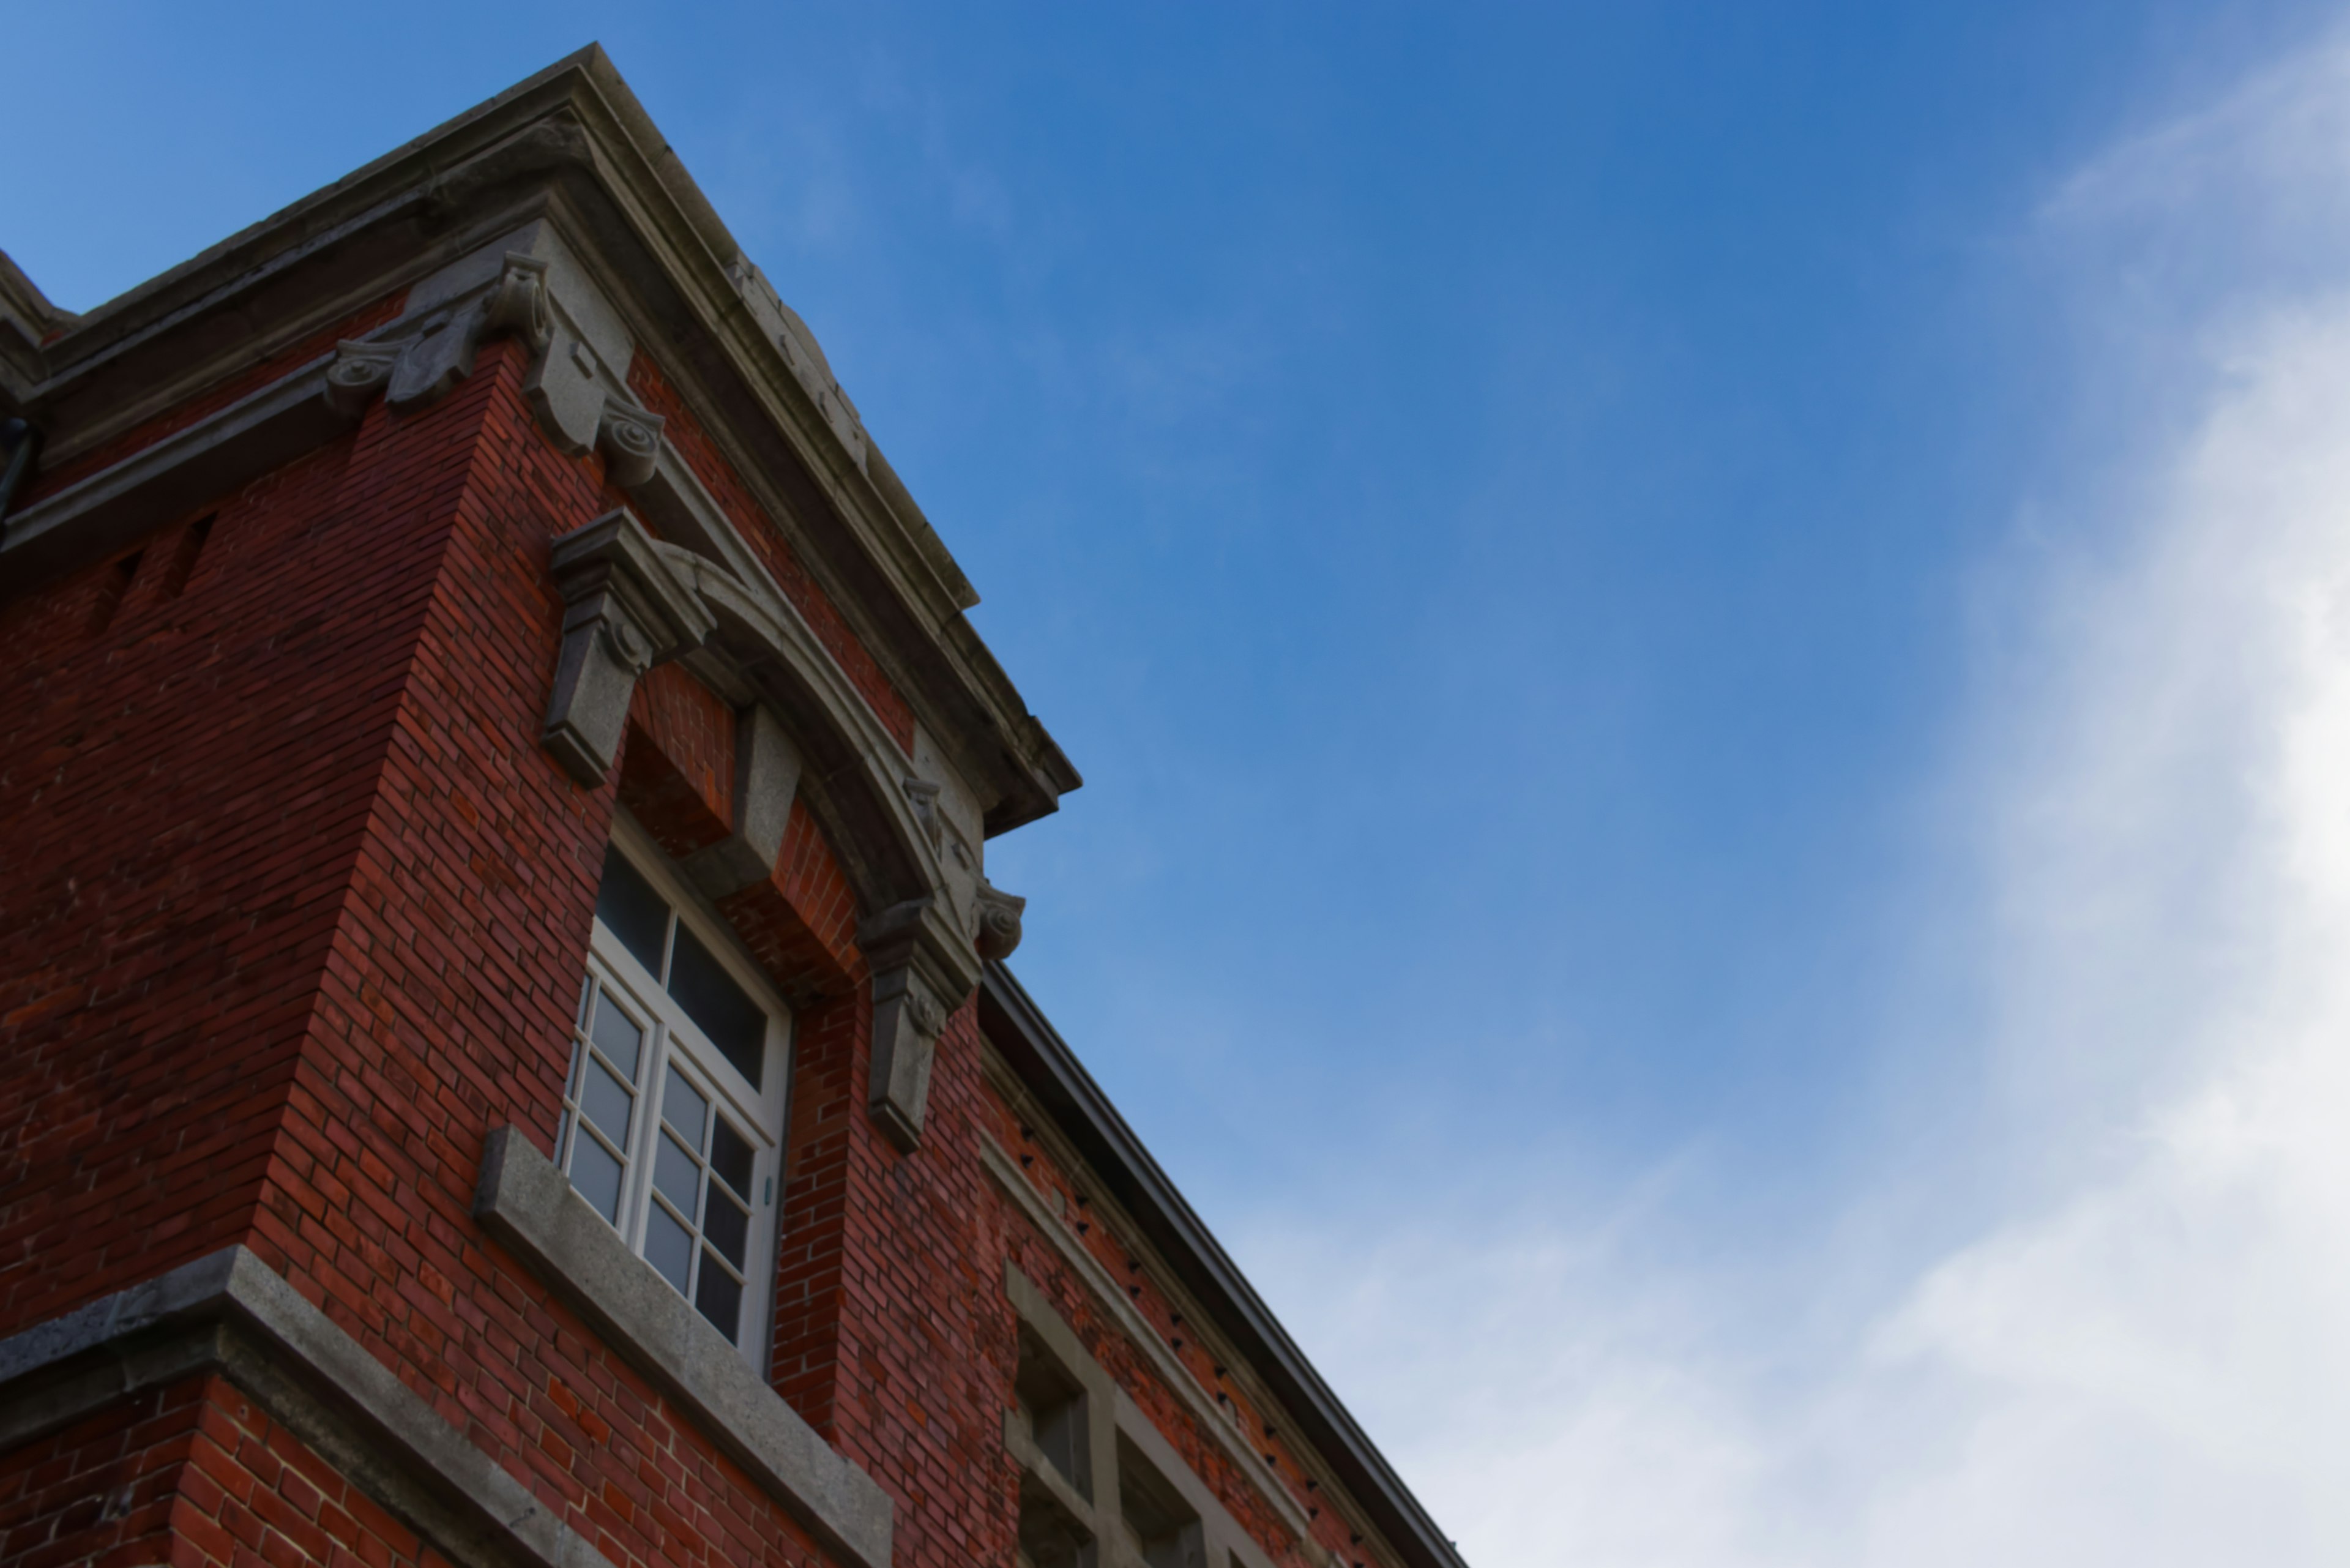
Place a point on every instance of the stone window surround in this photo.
(1216, 1422)
(1111, 1415)
(694, 913)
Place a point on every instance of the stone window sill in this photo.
(525, 1204)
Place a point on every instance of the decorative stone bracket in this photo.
(630, 440)
(625, 611)
(918, 981)
(998, 919)
(421, 366)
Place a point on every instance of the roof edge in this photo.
(1049, 1069)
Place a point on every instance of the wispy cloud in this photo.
(2142, 1356)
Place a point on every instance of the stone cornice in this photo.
(572, 145)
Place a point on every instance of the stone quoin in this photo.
(505, 1049)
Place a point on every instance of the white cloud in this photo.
(2144, 1356)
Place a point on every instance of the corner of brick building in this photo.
(302, 900)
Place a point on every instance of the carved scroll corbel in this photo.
(359, 372)
(422, 365)
(629, 438)
(517, 303)
(997, 918)
(625, 611)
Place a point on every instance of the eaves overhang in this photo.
(573, 145)
(1049, 1070)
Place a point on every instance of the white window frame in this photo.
(672, 1041)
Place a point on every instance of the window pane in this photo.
(683, 1107)
(730, 1157)
(631, 911)
(606, 1102)
(595, 1174)
(723, 1010)
(676, 1175)
(727, 1226)
(667, 1247)
(616, 1036)
(719, 1297)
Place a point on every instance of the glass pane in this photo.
(631, 911)
(571, 1078)
(606, 1102)
(730, 1157)
(595, 1174)
(719, 1297)
(683, 1108)
(726, 1226)
(676, 1175)
(617, 1035)
(668, 1247)
(723, 1010)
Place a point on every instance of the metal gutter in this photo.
(1050, 1069)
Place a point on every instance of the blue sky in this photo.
(1616, 576)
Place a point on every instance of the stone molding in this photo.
(526, 1203)
(226, 449)
(1163, 1362)
(231, 1314)
(624, 612)
(922, 950)
(631, 602)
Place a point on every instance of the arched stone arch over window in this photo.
(803, 738)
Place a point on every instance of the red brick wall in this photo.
(444, 1014)
(184, 793)
(194, 1475)
(677, 765)
(106, 1488)
(892, 1331)
(300, 907)
(1106, 1340)
(802, 926)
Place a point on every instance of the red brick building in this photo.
(504, 1051)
